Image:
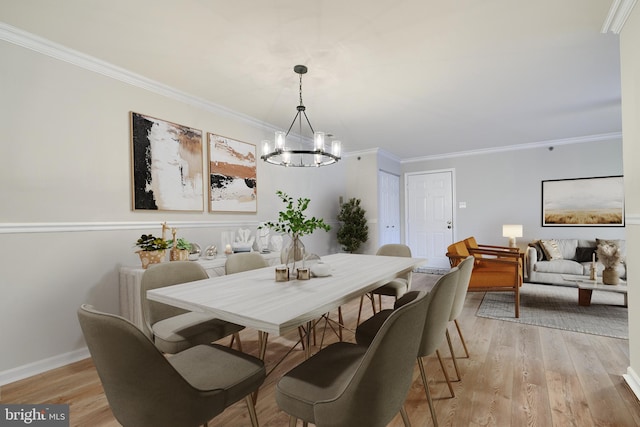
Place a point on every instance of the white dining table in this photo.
(254, 298)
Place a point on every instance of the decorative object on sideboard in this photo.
(281, 154)
(194, 252)
(293, 222)
(244, 241)
(152, 249)
(354, 230)
(609, 255)
(262, 239)
(226, 239)
(180, 248)
(210, 252)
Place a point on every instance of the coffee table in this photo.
(586, 288)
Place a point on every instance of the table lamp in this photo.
(512, 231)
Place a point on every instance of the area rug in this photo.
(557, 307)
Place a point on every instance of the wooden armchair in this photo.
(477, 250)
(495, 270)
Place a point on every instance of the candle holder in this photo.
(304, 273)
(282, 274)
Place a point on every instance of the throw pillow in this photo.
(585, 254)
(551, 249)
(539, 252)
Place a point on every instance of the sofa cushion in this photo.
(539, 252)
(559, 266)
(551, 249)
(585, 254)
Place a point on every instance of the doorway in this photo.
(389, 209)
(430, 215)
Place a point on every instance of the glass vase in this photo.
(292, 255)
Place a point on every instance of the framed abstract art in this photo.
(166, 165)
(232, 175)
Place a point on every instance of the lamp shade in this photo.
(512, 230)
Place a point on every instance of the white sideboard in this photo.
(130, 278)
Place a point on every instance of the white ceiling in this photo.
(414, 77)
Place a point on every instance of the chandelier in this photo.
(279, 154)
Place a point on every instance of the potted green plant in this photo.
(293, 222)
(354, 230)
(152, 249)
(180, 249)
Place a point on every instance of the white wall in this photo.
(630, 69)
(505, 188)
(65, 172)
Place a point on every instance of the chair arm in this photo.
(455, 259)
(501, 248)
(496, 253)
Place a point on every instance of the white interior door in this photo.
(429, 216)
(389, 208)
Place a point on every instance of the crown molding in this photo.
(617, 16)
(44, 46)
(552, 143)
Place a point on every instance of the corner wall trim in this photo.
(633, 381)
(35, 368)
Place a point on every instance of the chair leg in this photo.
(360, 310)
(293, 421)
(428, 393)
(340, 322)
(446, 375)
(252, 410)
(453, 356)
(405, 417)
(236, 337)
(464, 344)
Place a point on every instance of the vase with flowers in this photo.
(293, 222)
(609, 256)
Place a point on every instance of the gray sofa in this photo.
(575, 263)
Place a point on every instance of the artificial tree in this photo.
(354, 230)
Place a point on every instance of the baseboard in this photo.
(35, 368)
(633, 381)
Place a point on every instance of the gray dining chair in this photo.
(173, 329)
(433, 331)
(244, 261)
(396, 287)
(145, 388)
(347, 384)
(466, 268)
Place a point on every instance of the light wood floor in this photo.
(517, 375)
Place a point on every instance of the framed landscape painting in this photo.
(232, 175)
(166, 165)
(583, 202)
